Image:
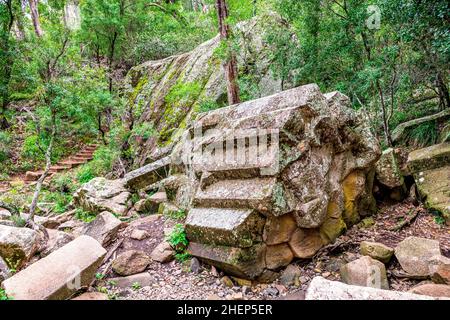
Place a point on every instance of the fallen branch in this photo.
(412, 214)
(398, 132)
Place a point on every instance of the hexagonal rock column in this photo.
(60, 274)
(275, 178)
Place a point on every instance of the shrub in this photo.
(177, 239)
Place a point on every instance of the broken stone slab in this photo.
(262, 194)
(432, 290)
(388, 170)
(101, 194)
(59, 275)
(366, 272)
(441, 274)
(434, 188)
(377, 251)
(143, 279)
(147, 175)
(416, 255)
(232, 227)
(18, 245)
(429, 158)
(323, 289)
(57, 239)
(130, 262)
(104, 228)
(247, 263)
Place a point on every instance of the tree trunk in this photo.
(111, 60)
(35, 17)
(444, 98)
(230, 66)
(387, 133)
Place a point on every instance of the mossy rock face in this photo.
(388, 170)
(429, 158)
(17, 245)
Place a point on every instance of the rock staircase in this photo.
(82, 157)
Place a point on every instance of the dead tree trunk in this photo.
(230, 66)
(48, 159)
(35, 17)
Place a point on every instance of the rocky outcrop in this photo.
(296, 193)
(322, 289)
(101, 194)
(59, 275)
(431, 170)
(17, 245)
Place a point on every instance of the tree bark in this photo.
(444, 98)
(35, 17)
(230, 66)
(387, 133)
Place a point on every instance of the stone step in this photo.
(429, 158)
(217, 226)
(59, 275)
(33, 175)
(58, 168)
(258, 193)
(149, 174)
(70, 163)
(81, 158)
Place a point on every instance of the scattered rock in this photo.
(388, 171)
(291, 275)
(130, 262)
(100, 195)
(57, 239)
(366, 272)
(242, 282)
(415, 254)
(214, 272)
(279, 255)
(143, 279)
(4, 214)
(441, 275)
(433, 290)
(17, 245)
(323, 289)
(147, 175)
(138, 234)
(163, 253)
(145, 206)
(376, 251)
(237, 296)
(272, 292)
(195, 265)
(60, 274)
(104, 228)
(227, 282)
(93, 296)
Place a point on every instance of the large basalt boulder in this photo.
(100, 195)
(431, 170)
(59, 275)
(18, 245)
(297, 174)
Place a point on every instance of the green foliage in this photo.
(136, 286)
(423, 135)
(5, 145)
(176, 215)
(3, 296)
(18, 221)
(84, 216)
(101, 164)
(208, 105)
(182, 257)
(177, 238)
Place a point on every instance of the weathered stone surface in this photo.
(163, 253)
(376, 251)
(4, 270)
(323, 289)
(240, 262)
(130, 262)
(92, 296)
(279, 229)
(305, 243)
(433, 290)
(138, 234)
(233, 227)
(4, 214)
(429, 158)
(145, 206)
(441, 274)
(101, 194)
(290, 276)
(366, 272)
(60, 274)
(57, 239)
(143, 279)
(17, 245)
(415, 255)
(388, 170)
(279, 255)
(147, 175)
(104, 228)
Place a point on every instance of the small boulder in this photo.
(4, 214)
(104, 228)
(130, 262)
(92, 296)
(279, 255)
(143, 279)
(291, 275)
(227, 282)
(163, 253)
(376, 251)
(146, 206)
(441, 274)
(366, 272)
(415, 255)
(388, 171)
(432, 290)
(56, 240)
(305, 243)
(138, 234)
(195, 265)
(18, 245)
